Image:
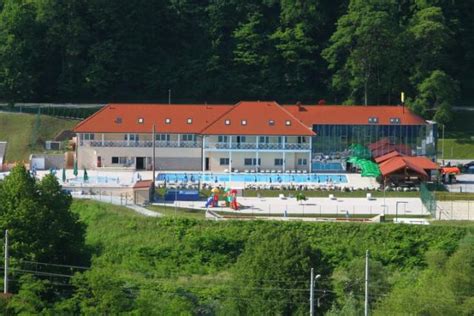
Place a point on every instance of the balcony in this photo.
(255, 146)
(141, 144)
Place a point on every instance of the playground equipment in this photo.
(233, 203)
(213, 198)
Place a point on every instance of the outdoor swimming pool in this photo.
(249, 178)
(93, 180)
(327, 166)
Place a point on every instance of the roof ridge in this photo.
(218, 118)
(291, 115)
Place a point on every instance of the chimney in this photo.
(300, 107)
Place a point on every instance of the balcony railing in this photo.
(140, 143)
(262, 146)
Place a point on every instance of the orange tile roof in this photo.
(253, 118)
(387, 156)
(105, 120)
(143, 184)
(210, 119)
(417, 164)
(353, 115)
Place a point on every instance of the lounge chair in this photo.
(281, 196)
(370, 197)
(246, 171)
(332, 197)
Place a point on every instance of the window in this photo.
(162, 137)
(227, 122)
(301, 139)
(288, 123)
(131, 137)
(189, 137)
(89, 136)
(271, 122)
(118, 120)
(394, 120)
(373, 120)
(222, 139)
(243, 122)
(224, 161)
(264, 139)
(167, 121)
(278, 162)
(252, 161)
(190, 121)
(141, 120)
(241, 139)
(119, 160)
(302, 161)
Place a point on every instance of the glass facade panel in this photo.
(413, 139)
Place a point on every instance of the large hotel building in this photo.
(257, 135)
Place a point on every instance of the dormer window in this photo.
(373, 120)
(190, 121)
(243, 122)
(288, 123)
(271, 122)
(141, 120)
(167, 121)
(118, 120)
(227, 122)
(394, 120)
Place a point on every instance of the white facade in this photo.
(193, 152)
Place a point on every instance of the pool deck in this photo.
(128, 178)
(317, 206)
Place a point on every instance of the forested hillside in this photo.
(353, 51)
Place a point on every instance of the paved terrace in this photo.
(317, 206)
(120, 178)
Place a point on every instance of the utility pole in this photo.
(442, 147)
(154, 162)
(5, 272)
(366, 304)
(311, 294)
(311, 291)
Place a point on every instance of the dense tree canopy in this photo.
(353, 51)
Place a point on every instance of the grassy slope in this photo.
(143, 246)
(458, 133)
(17, 129)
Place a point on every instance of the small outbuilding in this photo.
(143, 192)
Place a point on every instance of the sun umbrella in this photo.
(86, 176)
(75, 171)
(64, 175)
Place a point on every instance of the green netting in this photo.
(368, 168)
(360, 151)
(428, 199)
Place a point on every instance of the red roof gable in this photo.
(344, 114)
(257, 118)
(387, 156)
(417, 164)
(119, 118)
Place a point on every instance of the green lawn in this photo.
(170, 211)
(17, 130)
(462, 148)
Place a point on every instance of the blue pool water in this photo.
(101, 180)
(249, 178)
(327, 166)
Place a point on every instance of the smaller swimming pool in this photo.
(95, 180)
(251, 178)
(327, 166)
